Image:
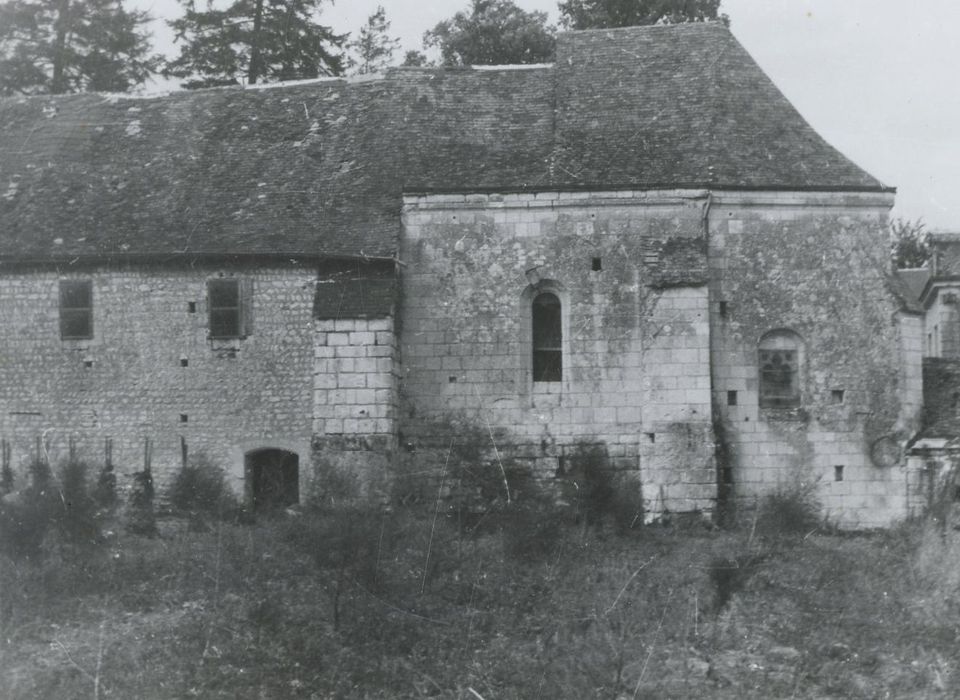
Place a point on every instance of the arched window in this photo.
(780, 356)
(547, 338)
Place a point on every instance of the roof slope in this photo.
(319, 168)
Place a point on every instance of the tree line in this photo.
(67, 46)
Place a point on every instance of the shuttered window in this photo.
(76, 309)
(230, 305)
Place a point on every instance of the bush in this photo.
(24, 522)
(789, 512)
(105, 492)
(7, 481)
(76, 514)
(200, 490)
(141, 519)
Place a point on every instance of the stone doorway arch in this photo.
(273, 478)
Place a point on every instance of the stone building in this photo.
(641, 250)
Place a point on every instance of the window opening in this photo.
(837, 395)
(226, 308)
(838, 472)
(547, 338)
(723, 309)
(779, 360)
(596, 265)
(184, 418)
(191, 307)
(731, 398)
(76, 309)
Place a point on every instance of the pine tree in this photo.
(373, 48)
(59, 46)
(254, 41)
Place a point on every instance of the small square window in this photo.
(76, 309)
(836, 395)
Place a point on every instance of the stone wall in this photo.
(151, 373)
(354, 406)
(814, 264)
(629, 269)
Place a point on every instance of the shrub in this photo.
(105, 492)
(141, 519)
(789, 511)
(24, 522)
(200, 489)
(7, 481)
(76, 514)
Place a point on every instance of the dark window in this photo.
(76, 309)
(596, 265)
(836, 395)
(731, 398)
(230, 305)
(779, 360)
(547, 339)
(838, 472)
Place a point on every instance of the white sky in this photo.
(872, 76)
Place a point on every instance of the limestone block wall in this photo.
(814, 264)
(629, 269)
(354, 406)
(151, 372)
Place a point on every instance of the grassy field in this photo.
(399, 604)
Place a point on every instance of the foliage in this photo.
(601, 14)
(141, 518)
(200, 489)
(493, 32)
(25, 521)
(909, 243)
(7, 480)
(789, 511)
(76, 516)
(852, 616)
(372, 50)
(105, 492)
(60, 46)
(415, 59)
(255, 41)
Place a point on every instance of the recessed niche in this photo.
(836, 395)
(838, 472)
(652, 437)
(184, 362)
(596, 264)
(191, 307)
(184, 418)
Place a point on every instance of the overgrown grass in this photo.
(397, 603)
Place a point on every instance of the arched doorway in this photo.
(273, 478)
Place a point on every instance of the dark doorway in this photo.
(273, 476)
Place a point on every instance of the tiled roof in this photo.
(319, 168)
(355, 290)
